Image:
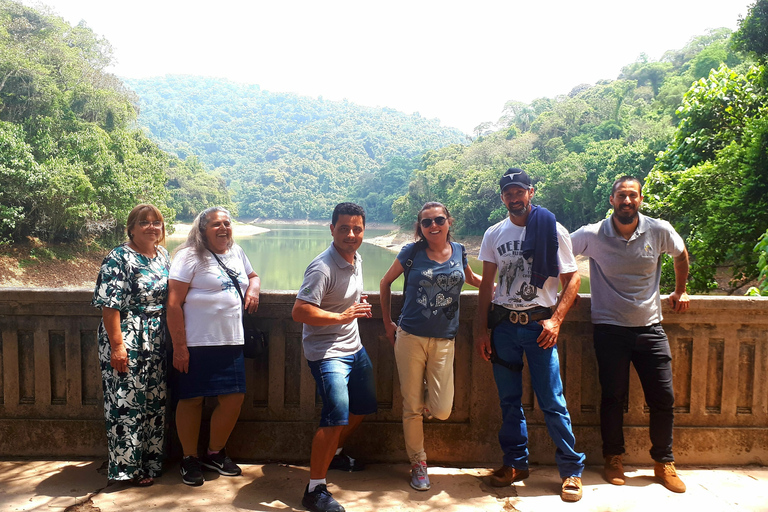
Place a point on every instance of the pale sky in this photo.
(456, 61)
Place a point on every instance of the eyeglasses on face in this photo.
(154, 223)
(425, 223)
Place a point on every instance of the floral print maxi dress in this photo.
(134, 402)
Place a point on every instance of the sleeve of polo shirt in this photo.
(313, 287)
(579, 241)
(672, 243)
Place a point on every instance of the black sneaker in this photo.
(320, 500)
(191, 474)
(221, 463)
(344, 462)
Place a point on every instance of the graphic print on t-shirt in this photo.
(440, 293)
(514, 274)
(223, 277)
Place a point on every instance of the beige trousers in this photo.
(419, 359)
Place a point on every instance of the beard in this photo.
(518, 209)
(625, 216)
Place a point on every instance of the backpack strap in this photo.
(407, 270)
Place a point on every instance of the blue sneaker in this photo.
(419, 477)
(320, 500)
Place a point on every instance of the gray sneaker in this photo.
(419, 477)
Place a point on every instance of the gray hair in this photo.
(196, 239)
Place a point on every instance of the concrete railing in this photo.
(51, 399)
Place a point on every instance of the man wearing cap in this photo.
(531, 251)
(625, 268)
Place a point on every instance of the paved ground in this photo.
(80, 486)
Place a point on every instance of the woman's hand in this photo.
(252, 293)
(118, 357)
(181, 358)
(391, 328)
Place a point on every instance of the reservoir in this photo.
(281, 255)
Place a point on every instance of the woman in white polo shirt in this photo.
(205, 321)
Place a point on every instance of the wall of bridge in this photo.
(51, 399)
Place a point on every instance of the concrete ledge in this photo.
(51, 403)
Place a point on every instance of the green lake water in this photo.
(281, 255)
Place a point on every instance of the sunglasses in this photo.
(425, 223)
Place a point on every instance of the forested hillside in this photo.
(693, 123)
(75, 156)
(287, 156)
(574, 145)
(72, 162)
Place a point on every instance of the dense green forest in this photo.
(72, 161)
(75, 155)
(288, 156)
(692, 123)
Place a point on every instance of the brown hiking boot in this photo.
(667, 476)
(571, 490)
(614, 470)
(505, 475)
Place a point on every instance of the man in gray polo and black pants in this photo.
(625, 268)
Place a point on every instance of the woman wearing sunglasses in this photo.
(435, 270)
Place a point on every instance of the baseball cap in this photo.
(515, 176)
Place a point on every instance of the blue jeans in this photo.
(510, 342)
(346, 385)
(647, 348)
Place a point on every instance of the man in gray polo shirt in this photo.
(625, 268)
(329, 303)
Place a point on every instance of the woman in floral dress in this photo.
(131, 291)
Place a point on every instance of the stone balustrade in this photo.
(51, 399)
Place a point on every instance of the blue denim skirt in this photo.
(213, 371)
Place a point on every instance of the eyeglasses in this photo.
(425, 223)
(154, 223)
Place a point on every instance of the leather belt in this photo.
(499, 314)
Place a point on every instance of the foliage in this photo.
(71, 163)
(694, 123)
(752, 35)
(712, 181)
(288, 156)
(762, 265)
(573, 145)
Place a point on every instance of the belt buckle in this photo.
(519, 317)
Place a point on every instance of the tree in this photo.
(752, 35)
(71, 162)
(712, 181)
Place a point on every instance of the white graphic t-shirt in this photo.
(502, 245)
